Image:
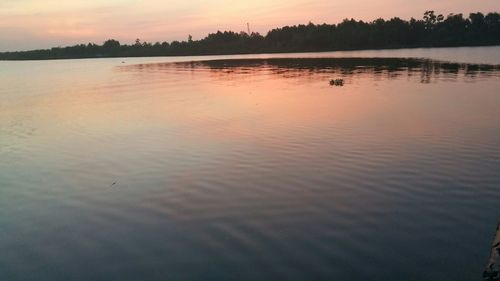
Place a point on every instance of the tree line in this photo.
(433, 30)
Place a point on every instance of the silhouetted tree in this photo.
(431, 30)
(431, 19)
(111, 44)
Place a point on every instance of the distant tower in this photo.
(248, 28)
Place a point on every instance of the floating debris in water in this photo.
(337, 82)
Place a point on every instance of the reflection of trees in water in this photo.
(389, 68)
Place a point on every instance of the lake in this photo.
(251, 167)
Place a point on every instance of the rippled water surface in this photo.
(253, 168)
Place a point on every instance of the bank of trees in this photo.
(433, 30)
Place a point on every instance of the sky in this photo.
(34, 24)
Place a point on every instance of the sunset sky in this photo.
(29, 24)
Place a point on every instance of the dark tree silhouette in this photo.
(111, 44)
(431, 31)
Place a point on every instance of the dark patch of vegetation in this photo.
(430, 31)
(492, 270)
(337, 82)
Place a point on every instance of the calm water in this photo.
(253, 168)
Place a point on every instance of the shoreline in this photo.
(244, 54)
